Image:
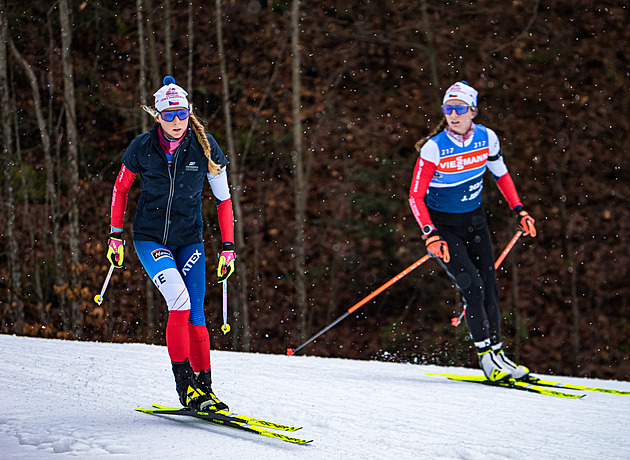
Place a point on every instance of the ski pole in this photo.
(457, 321)
(98, 298)
(356, 306)
(226, 327)
(507, 249)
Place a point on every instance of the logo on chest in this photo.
(192, 166)
(464, 162)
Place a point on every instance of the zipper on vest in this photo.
(171, 191)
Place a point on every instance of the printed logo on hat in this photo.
(170, 95)
(463, 92)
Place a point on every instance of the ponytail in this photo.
(437, 129)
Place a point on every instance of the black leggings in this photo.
(472, 269)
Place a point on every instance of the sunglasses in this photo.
(459, 109)
(169, 116)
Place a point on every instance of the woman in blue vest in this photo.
(445, 198)
(174, 159)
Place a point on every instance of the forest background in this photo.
(318, 106)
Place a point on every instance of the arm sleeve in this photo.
(119, 197)
(423, 173)
(499, 170)
(226, 220)
(506, 185)
(221, 190)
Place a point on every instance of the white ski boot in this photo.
(490, 364)
(518, 372)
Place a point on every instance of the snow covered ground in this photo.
(63, 399)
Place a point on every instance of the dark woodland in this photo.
(554, 83)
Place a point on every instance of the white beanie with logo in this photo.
(461, 91)
(170, 95)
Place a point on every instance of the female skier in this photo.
(173, 160)
(449, 176)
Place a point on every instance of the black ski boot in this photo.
(204, 380)
(190, 395)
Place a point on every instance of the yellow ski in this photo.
(516, 384)
(221, 419)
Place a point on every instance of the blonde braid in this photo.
(200, 132)
(437, 129)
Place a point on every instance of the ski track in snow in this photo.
(67, 399)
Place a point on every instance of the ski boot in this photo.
(491, 365)
(190, 395)
(204, 380)
(518, 372)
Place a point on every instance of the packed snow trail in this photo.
(67, 399)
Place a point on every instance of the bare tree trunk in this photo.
(155, 72)
(191, 51)
(567, 246)
(516, 316)
(167, 35)
(61, 287)
(299, 185)
(45, 138)
(13, 298)
(144, 127)
(253, 255)
(73, 164)
(52, 183)
(520, 332)
(142, 81)
(26, 220)
(239, 304)
(430, 50)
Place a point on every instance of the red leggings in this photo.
(186, 341)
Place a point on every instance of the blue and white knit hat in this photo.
(461, 91)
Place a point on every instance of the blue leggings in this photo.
(179, 273)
